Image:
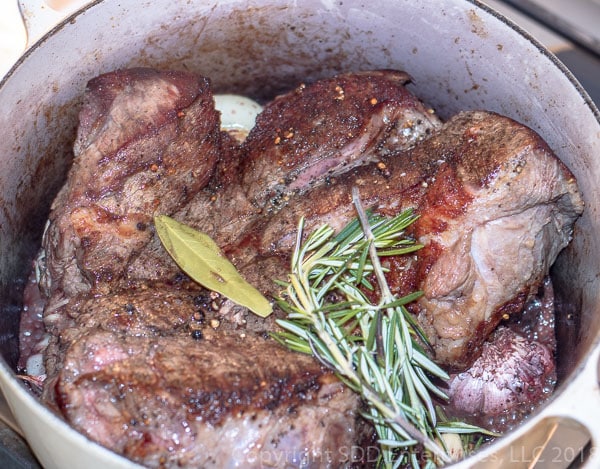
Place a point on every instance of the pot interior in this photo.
(461, 56)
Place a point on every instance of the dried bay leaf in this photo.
(200, 258)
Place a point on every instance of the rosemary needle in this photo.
(388, 297)
(375, 349)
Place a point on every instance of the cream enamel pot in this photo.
(461, 56)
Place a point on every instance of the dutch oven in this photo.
(461, 56)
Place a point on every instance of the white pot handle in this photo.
(13, 36)
(40, 16)
(24, 22)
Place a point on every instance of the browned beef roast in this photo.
(315, 132)
(147, 141)
(137, 364)
(301, 139)
(148, 373)
(496, 207)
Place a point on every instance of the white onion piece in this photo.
(238, 114)
(35, 365)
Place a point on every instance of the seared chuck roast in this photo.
(316, 132)
(147, 373)
(136, 155)
(144, 362)
(495, 206)
(301, 139)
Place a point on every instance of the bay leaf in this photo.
(201, 259)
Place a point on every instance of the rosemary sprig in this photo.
(375, 349)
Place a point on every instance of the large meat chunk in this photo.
(146, 373)
(147, 141)
(496, 207)
(515, 370)
(301, 139)
(141, 361)
(318, 131)
(137, 365)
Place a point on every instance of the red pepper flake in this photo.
(154, 167)
(373, 101)
(180, 114)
